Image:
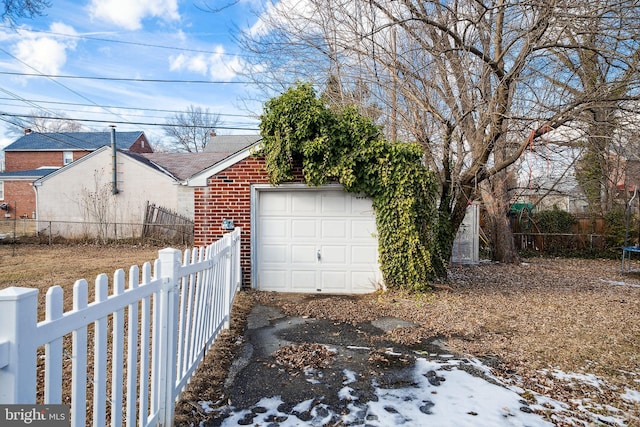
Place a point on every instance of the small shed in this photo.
(296, 238)
(466, 246)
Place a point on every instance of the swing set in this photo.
(626, 249)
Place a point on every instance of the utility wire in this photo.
(154, 110)
(126, 122)
(180, 49)
(60, 84)
(123, 79)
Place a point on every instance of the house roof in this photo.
(184, 165)
(200, 179)
(230, 143)
(71, 141)
(27, 174)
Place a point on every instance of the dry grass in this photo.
(576, 316)
(43, 266)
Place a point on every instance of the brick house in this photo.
(295, 238)
(34, 155)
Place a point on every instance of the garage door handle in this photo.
(318, 255)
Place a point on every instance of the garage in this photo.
(314, 241)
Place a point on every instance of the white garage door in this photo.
(316, 241)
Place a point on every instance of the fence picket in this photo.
(79, 359)
(53, 349)
(132, 349)
(100, 354)
(145, 336)
(173, 314)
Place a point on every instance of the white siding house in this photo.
(82, 198)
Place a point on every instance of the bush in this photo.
(555, 221)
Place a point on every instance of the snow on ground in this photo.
(445, 393)
(617, 283)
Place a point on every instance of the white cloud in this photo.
(217, 65)
(129, 14)
(45, 53)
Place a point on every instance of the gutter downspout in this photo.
(114, 180)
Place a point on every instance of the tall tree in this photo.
(191, 131)
(476, 83)
(12, 10)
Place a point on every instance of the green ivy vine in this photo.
(297, 128)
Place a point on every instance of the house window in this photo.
(67, 157)
(1, 190)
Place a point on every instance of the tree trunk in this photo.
(496, 202)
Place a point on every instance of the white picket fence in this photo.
(150, 336)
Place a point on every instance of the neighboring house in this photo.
(34, 155)
(295, 238)
(79, 199)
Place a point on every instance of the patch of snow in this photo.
(631, 395)
(346, 393)
(355, 347)
(572, 377)
(616, 283)
(458, 399)
(349, 375)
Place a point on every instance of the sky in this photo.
(124, 47)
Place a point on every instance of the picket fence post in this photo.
(170, 262)
(19, 319)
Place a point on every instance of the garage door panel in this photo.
(273, 228)
(275, 204)
(331, 255)
(334, 229)
(364, 281)
(334, 203)
(361, 206)
(363, 229)
(334, 281)
(363, 255)
(303, 204)
(301, 254)
(274, 253)
(274, 280)
(303, 280)
(303, 228)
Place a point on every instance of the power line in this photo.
(58, 83)
(180, 49)
(157, 110)
(125, 122)
(123, 79)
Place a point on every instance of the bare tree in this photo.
(45, 121)
(14, 9)
(477, 83)
(191, 131)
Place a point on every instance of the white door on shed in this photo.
(316, 241)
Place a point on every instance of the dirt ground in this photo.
(539, 325)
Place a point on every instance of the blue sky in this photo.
(174, 40)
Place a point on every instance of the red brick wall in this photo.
(228, 196)
(19, 194)
(141, 145)
(27, 160)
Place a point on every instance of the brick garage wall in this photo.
(28, 160)
(228, 196)
(20, 193)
